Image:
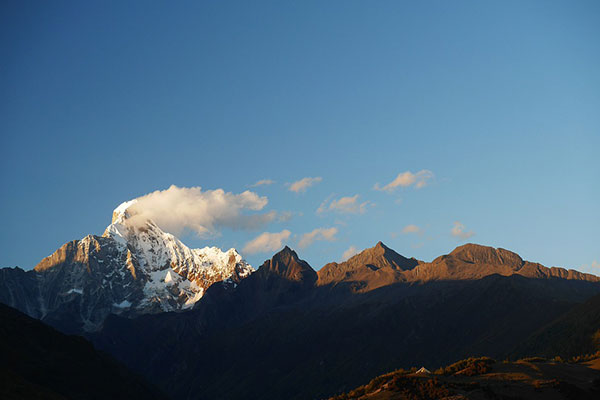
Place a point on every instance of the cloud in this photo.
(595, 264)
(263, 182)
(350, 251)
(204, 212)
(411, 229)
(285, 216)
(345, 205)
(458, 231)
(406, 179)
(304, 183)
(267, 242)
(318, 234)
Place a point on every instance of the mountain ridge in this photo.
(133, 268)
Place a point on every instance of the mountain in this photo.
(288, 331)
(575, 333)
(479, 378)
(381, 266)
(368, 270)
(134, 268)
(39, 362)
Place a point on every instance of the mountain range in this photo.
(134, 268)
(307, 334)
(202, 324)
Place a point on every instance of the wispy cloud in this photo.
(595, 264)
(204, 212)
(304, 183)
(327, 234)
(267, 242)
(285, 216)
(344, 205)
(459, 232)
(406, 179)
(350, 251)
(411, 229)
(263, 182)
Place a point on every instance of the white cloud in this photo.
(267, 242)
(204, 212)
(458, 231)
(595, 264)
(263, 182)
(345, 205)
(350, 251)
(411, 229)
(318, 234)
(304, 183)
(406, 179)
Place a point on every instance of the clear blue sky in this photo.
(101, 102)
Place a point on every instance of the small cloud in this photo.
(263, 182)
(417, 245)
(350, 251)
(458, 231)
(285, 216)
(345, 205)
(304, 183)
(411, 229)
(406, 179)
(266, 242)
(318, 234)
(595, 264)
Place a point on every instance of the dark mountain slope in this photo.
(39, 362)
(575, 333)
(278, 334)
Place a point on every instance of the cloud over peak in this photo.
(263, 182)
(350, 251)
(267, 242)
(345, 205)
(459, 232)
(406, 179)
(204, 212)
(304, 183)
(327, 234)
(411, 229)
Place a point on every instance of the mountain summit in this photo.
(288, 266)
(372, 268)
(133, 268)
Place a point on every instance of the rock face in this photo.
(132, 269)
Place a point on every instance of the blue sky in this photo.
(102, 102)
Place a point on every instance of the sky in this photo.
(326, 126)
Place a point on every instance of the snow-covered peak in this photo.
(120, 214)
(161, 256)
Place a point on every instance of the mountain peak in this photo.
(123, 211)
(373, 267)
(381, 255)
(286, 264)
(478, 254)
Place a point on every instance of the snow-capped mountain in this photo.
(133, 268)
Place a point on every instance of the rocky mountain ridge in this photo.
(381, 266)
(134, 268)
(286, 332)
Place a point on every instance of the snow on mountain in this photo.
(133, 268)
(177, 275)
